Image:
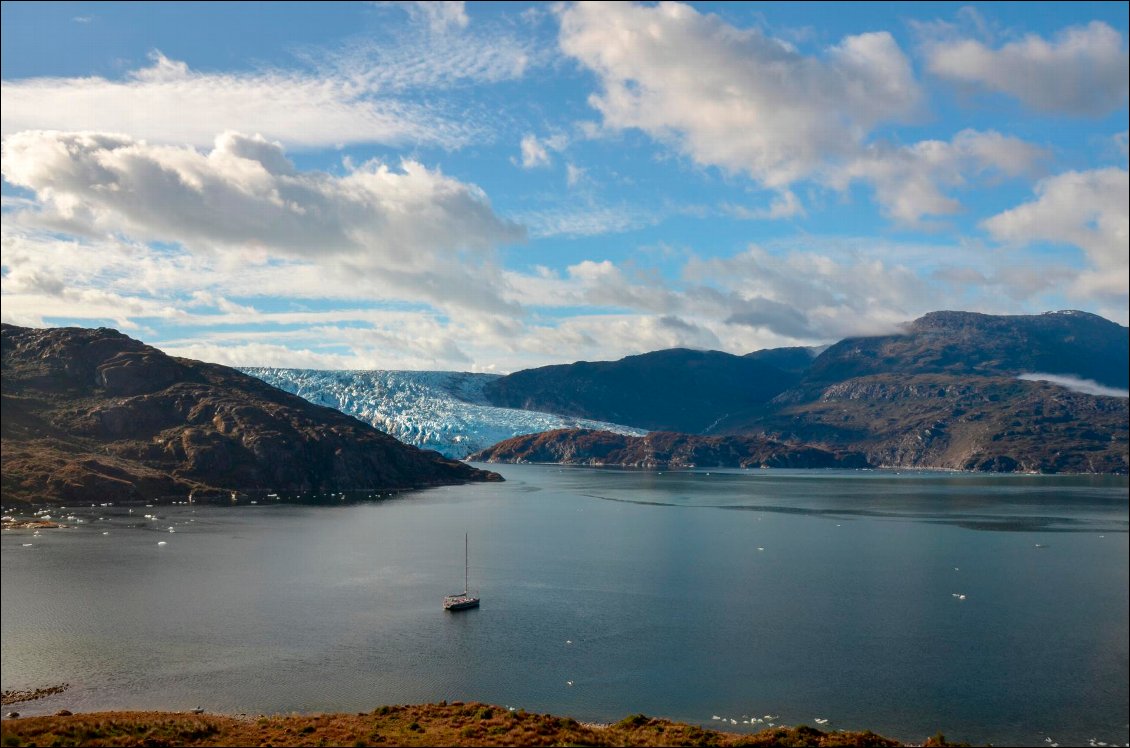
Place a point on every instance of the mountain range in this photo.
(955, 390)
(96, 416)
(93, 415)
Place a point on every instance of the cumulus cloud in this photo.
(737, 98)
(749, 103)
(1087, 209)
(909, 181)
(1076, 384)
(1082, 71)
(808, 295)
(412, 227)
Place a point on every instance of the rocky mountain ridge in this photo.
(954, 390)
(93, 415)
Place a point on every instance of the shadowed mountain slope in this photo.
(672, 390)
(93, 415)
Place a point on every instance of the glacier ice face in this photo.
(441, 410)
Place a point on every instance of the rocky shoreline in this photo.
(32, 694)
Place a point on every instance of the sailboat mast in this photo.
(466, 563)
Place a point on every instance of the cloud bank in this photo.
(423, 234)
(1083, 71)
(1075, 384)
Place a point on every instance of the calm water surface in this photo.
(690, 595)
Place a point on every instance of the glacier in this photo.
(442, 410)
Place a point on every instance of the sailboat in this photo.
(462, 600)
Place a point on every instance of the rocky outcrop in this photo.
(93, 415)
(661, 449)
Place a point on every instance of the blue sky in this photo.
(492, 187)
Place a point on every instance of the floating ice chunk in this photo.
(161, 542)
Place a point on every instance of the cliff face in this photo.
(661, 449)
(93, 415)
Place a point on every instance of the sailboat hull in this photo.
(460, 602)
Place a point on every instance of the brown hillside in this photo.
(93, 415)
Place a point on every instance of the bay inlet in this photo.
(991, 608)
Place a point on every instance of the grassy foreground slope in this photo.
(455, 724)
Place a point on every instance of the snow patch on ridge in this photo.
(442, 410)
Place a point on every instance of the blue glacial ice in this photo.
(441, 410)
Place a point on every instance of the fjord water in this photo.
(690, 595)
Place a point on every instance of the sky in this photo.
(493, 187)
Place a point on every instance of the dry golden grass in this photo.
(456, 724)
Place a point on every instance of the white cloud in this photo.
(1083, 71)
(170, 103)
(412, 61)
(442, 16)
(574, 175)
(909, 180)
(749, 103)
(585, 218)
(534, 153)
(421, 234)
(784, 204)
(1076, 384)
(1088, 209)
(737, 98)
(807, 295)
